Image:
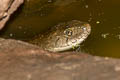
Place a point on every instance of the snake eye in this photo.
(68, 32)
(83, 28)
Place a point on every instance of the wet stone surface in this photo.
(7, 7)
(23, 61)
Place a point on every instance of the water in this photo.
(37, 16)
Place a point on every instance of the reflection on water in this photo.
(37, 16)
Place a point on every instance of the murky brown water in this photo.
(36, 16)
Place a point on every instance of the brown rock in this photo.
(23, 61)
(7, 7)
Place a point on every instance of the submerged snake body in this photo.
(64, 36)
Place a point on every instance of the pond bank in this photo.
(23, 61)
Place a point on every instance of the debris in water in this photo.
(11, 34)
(118, 36)
(105, 35)
(97, 22)
(86, 6)
(20, 27)
(99, 0)
(90, 19)
(49, 1)
(24, 32)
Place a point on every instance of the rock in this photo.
(7, 7)
(22, 61)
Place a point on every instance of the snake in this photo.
(63, 36)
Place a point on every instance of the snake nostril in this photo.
(74, 40)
